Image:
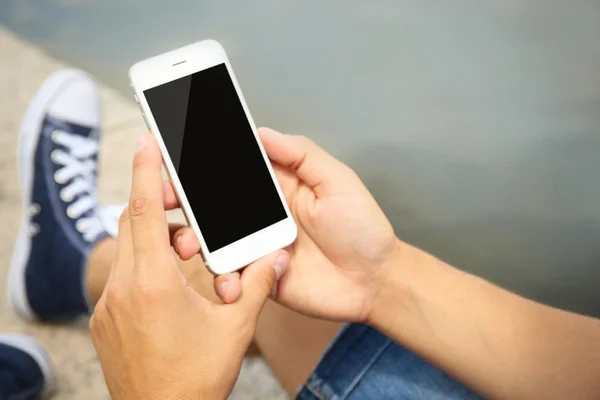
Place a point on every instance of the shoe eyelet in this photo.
(58, 178)
(64, 197)
(54, 155)
(81, 226)
(54, 136)
(70, 213)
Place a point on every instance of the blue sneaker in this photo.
(25, 369)
(57, 158)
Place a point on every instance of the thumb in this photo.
(313, 165)
(259, 280)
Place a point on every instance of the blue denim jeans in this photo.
(361, 363)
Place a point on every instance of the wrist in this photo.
(393, 290)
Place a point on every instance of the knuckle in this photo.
(114, 300)
(138, 207)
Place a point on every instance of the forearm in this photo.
(498, 343)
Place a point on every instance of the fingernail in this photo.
(275, 132)
(222, 287)
(281, 265)
(141, 142)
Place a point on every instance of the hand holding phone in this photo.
(346, 246)
(191, 101)
(149, 323)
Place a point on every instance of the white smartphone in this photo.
(193, 104)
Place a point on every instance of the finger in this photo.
(313, 165)
(184, 241)
(228, 287)
(258, 281)
(170, 197)
(149, 228)
(122, 265)
(175, 231)
(124, 256)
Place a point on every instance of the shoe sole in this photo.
(29, 134)
(39, 354)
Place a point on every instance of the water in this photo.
(476, 125)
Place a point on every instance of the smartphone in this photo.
(191, 101)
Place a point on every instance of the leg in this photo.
(64, 249)
(292, 343)
(98, 268)
(364, 364)
(360, 364)
(64, 253)
(60, 223)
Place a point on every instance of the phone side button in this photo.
(136, 99)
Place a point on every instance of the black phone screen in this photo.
(216, 156)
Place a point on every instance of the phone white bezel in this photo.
(176, 64)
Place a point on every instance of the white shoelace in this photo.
(79, 171)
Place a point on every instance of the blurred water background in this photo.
(475, 124)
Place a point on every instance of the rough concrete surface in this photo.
(23, 67)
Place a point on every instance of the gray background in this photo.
(475, 124)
